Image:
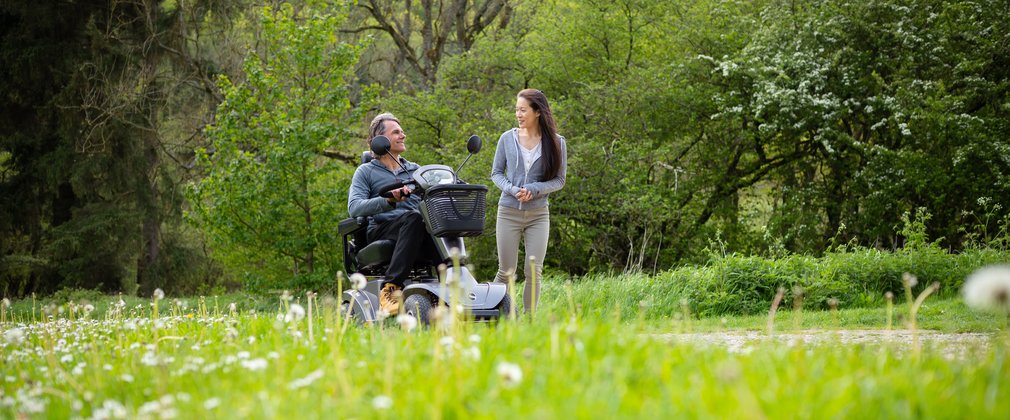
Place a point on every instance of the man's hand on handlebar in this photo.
(398, 195)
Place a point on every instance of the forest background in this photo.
(204, 145)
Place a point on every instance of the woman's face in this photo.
(525, 115)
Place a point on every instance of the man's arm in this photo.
(359, 200)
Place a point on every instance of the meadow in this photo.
(245, 356)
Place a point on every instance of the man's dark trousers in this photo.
(413, 243)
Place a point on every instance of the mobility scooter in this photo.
(451, 210)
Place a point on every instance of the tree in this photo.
(92, 89)
(270, 200)
(424, 32)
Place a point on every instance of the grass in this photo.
(577, 358)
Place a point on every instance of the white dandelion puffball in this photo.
(988, 289)
(14, 336)
(295, 313)
(407, 322)
(159, 294)
(510, 374)
(382, 402)
(358, 281)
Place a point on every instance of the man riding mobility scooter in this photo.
(451, 210)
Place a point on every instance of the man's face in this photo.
(396, 137)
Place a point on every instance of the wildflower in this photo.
(307, 380)
(510, 374)
(440, 317)
(988, 289)
(909, 279)
(159, 294)
(14, 336)
(358, 281)
(286, 296)
(212, 403)
(295, 313)
(6, 303)
(407, 322)
(447, 341)
(474, 338)
(110, 409)
(232, 307)
(382, 315)
(382, 402)
(255, 364)
(89, 308)
(472, 353)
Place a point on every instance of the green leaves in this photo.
(270, 201)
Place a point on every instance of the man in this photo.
(396, 218)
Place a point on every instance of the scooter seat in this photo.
(376, 253)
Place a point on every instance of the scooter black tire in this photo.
(419, 307)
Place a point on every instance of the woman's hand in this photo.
(524, 195)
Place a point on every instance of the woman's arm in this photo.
(542, 188)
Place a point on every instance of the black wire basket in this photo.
(455, 209)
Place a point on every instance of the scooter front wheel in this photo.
(419, 307)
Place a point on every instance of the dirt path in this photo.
(955, 345)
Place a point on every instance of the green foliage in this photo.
(736, 284)
(270, 201)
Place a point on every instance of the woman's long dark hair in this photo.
(551, 140)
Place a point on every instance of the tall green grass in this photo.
(742, 285)
(206, 362)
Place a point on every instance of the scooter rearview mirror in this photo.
(473, 144)
(380, 145)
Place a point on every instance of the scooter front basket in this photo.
(455, 209)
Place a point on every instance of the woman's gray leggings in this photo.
(533, 226)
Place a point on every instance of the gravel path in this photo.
(955, 345)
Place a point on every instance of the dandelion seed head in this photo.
(358, 281)
(255, 365)
(232, 307)
(159, 294)
(510, 374)
(6, 303)
(15, 336)
(472, 353)
(909, 279)
(406, 322)
(211, 403)
(382, 402)
(988, 289)
(295, 313)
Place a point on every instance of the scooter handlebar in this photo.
(387, 191)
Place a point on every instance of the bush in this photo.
(741, 285)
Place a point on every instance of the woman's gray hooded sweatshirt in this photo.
(509, 173)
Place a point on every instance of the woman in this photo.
(529, 164)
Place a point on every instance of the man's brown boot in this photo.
(388, 301)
